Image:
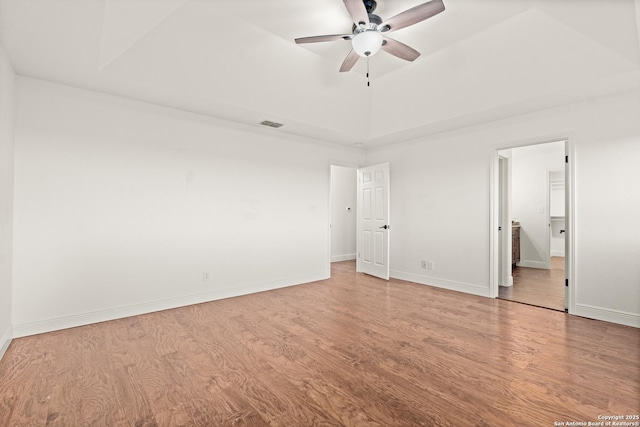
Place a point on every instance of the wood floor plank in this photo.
(33, 387)
(33, 406)
(96, 379)
(65, 406)
(350, 351)
(129, 398)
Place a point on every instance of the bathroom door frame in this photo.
(494, 206)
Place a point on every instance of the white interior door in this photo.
(373, 220)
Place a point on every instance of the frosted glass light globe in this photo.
(367, 43)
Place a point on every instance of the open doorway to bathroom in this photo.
(532, 198)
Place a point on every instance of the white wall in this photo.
(343, 219)
(7, 83)
(529, 193)
(123, 207)
(440, 202)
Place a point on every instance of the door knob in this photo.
(385, 226)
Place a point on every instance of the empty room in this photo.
(286, 213)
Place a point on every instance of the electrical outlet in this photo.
(427, 265)
(205, 276)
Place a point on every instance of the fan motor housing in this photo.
(375, 19)
(374, 22)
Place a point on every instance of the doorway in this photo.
(342, 213)
(531, 247)
(359, 218)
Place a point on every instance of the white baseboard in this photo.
(468, 288)
(5, 340)
(346, 257)
(532, 264)
(608, 315)
(48, 325)
(557, 253)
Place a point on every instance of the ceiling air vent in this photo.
(270, 124)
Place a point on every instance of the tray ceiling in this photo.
(236, 60)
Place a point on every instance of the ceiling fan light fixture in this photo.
(366, 33)
(367, 43)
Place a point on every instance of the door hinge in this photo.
(566, 159)
(566, 282)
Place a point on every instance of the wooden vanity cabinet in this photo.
(515, 243)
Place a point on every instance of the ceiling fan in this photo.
(369, 30)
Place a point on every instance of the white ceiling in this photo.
(235, 59)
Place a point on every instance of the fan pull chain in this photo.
(368, 82)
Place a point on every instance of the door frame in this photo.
(494, 271)
(505, 261)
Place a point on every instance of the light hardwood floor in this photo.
(353, 350)
(536, 286)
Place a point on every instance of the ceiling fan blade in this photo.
(357, 11)
(401, 50)
(412, 16)
(349, 61)
(329, 38)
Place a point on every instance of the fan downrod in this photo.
(370, 5)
